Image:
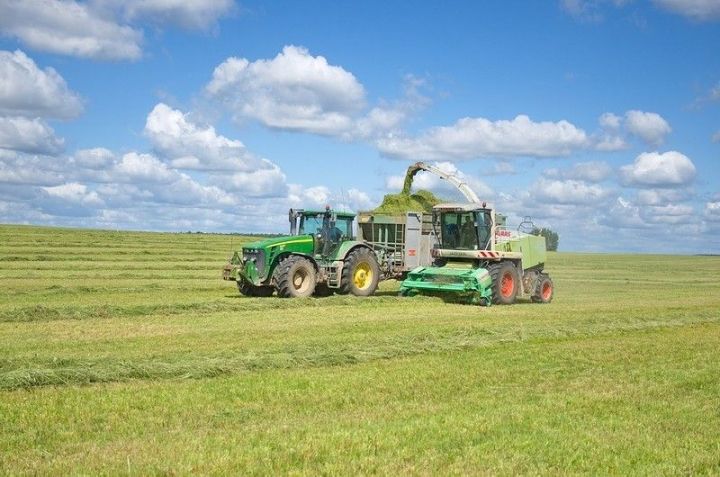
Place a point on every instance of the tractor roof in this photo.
(338, 213)
(462, 206)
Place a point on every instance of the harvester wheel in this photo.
(361, 273)
(505, 282)
(544, 290)
(295, 277)
(248, 289)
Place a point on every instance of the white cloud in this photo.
(190, 14)
(712, 211)
(650, 127)
(661, 197)
(716, 137)
(568, 192)
(659, 170)
(29, 170)
(134, 167)
(26, 90)
(189, 146)
(97, 158)
(265, 182)
(29, 135)
(309, 197)
(592, 171)
(696, 9)
(667, 214)
(357, 200)
(293, 91)
(70, 28)
(610, 121)
(610, 136)
(75, 193)
(471, 138)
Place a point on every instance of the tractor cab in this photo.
(328, 228)
(464, 226)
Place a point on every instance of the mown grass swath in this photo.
(124, 352)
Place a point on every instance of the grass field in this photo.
(125, 353)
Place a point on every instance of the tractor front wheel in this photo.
(295, 277)
(506, 282)
(361, 273)
(544, 290)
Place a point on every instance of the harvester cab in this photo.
(479, 259)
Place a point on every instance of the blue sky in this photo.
(599, 118)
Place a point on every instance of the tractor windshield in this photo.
(314, 224)
(311, 224)
(465, 230)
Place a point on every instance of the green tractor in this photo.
(480, 259)
(319, 257)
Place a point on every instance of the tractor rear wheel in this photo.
(248, 289)
(544, 290)
(295, 277)
(361, 273)
(505, 282)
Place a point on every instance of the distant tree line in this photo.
(552, 239)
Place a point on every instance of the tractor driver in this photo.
(331, 235)
(468, 233)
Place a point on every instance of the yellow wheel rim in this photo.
(363, 276)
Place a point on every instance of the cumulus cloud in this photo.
(76, 193)
(654, 169)
(610, 136)
(70, 28)
(26, 90)
(269, 181)
(96, 158)
(189, 14)
(29, 135)
(471, 138)
(309, 197)
(101, 29)
(661, 197)
(592, 171)
(189, 146)
(568, 192)
(712, 211)
(650, 127)
(293, 91)
(134, 167)
(703, 10)
(29, 170)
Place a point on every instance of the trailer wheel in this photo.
(544, 290)
(248, 289)
(361, 273)
(295, 277)
(505, 282)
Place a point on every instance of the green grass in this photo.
(125, 353)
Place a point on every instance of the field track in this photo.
(125, 353)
